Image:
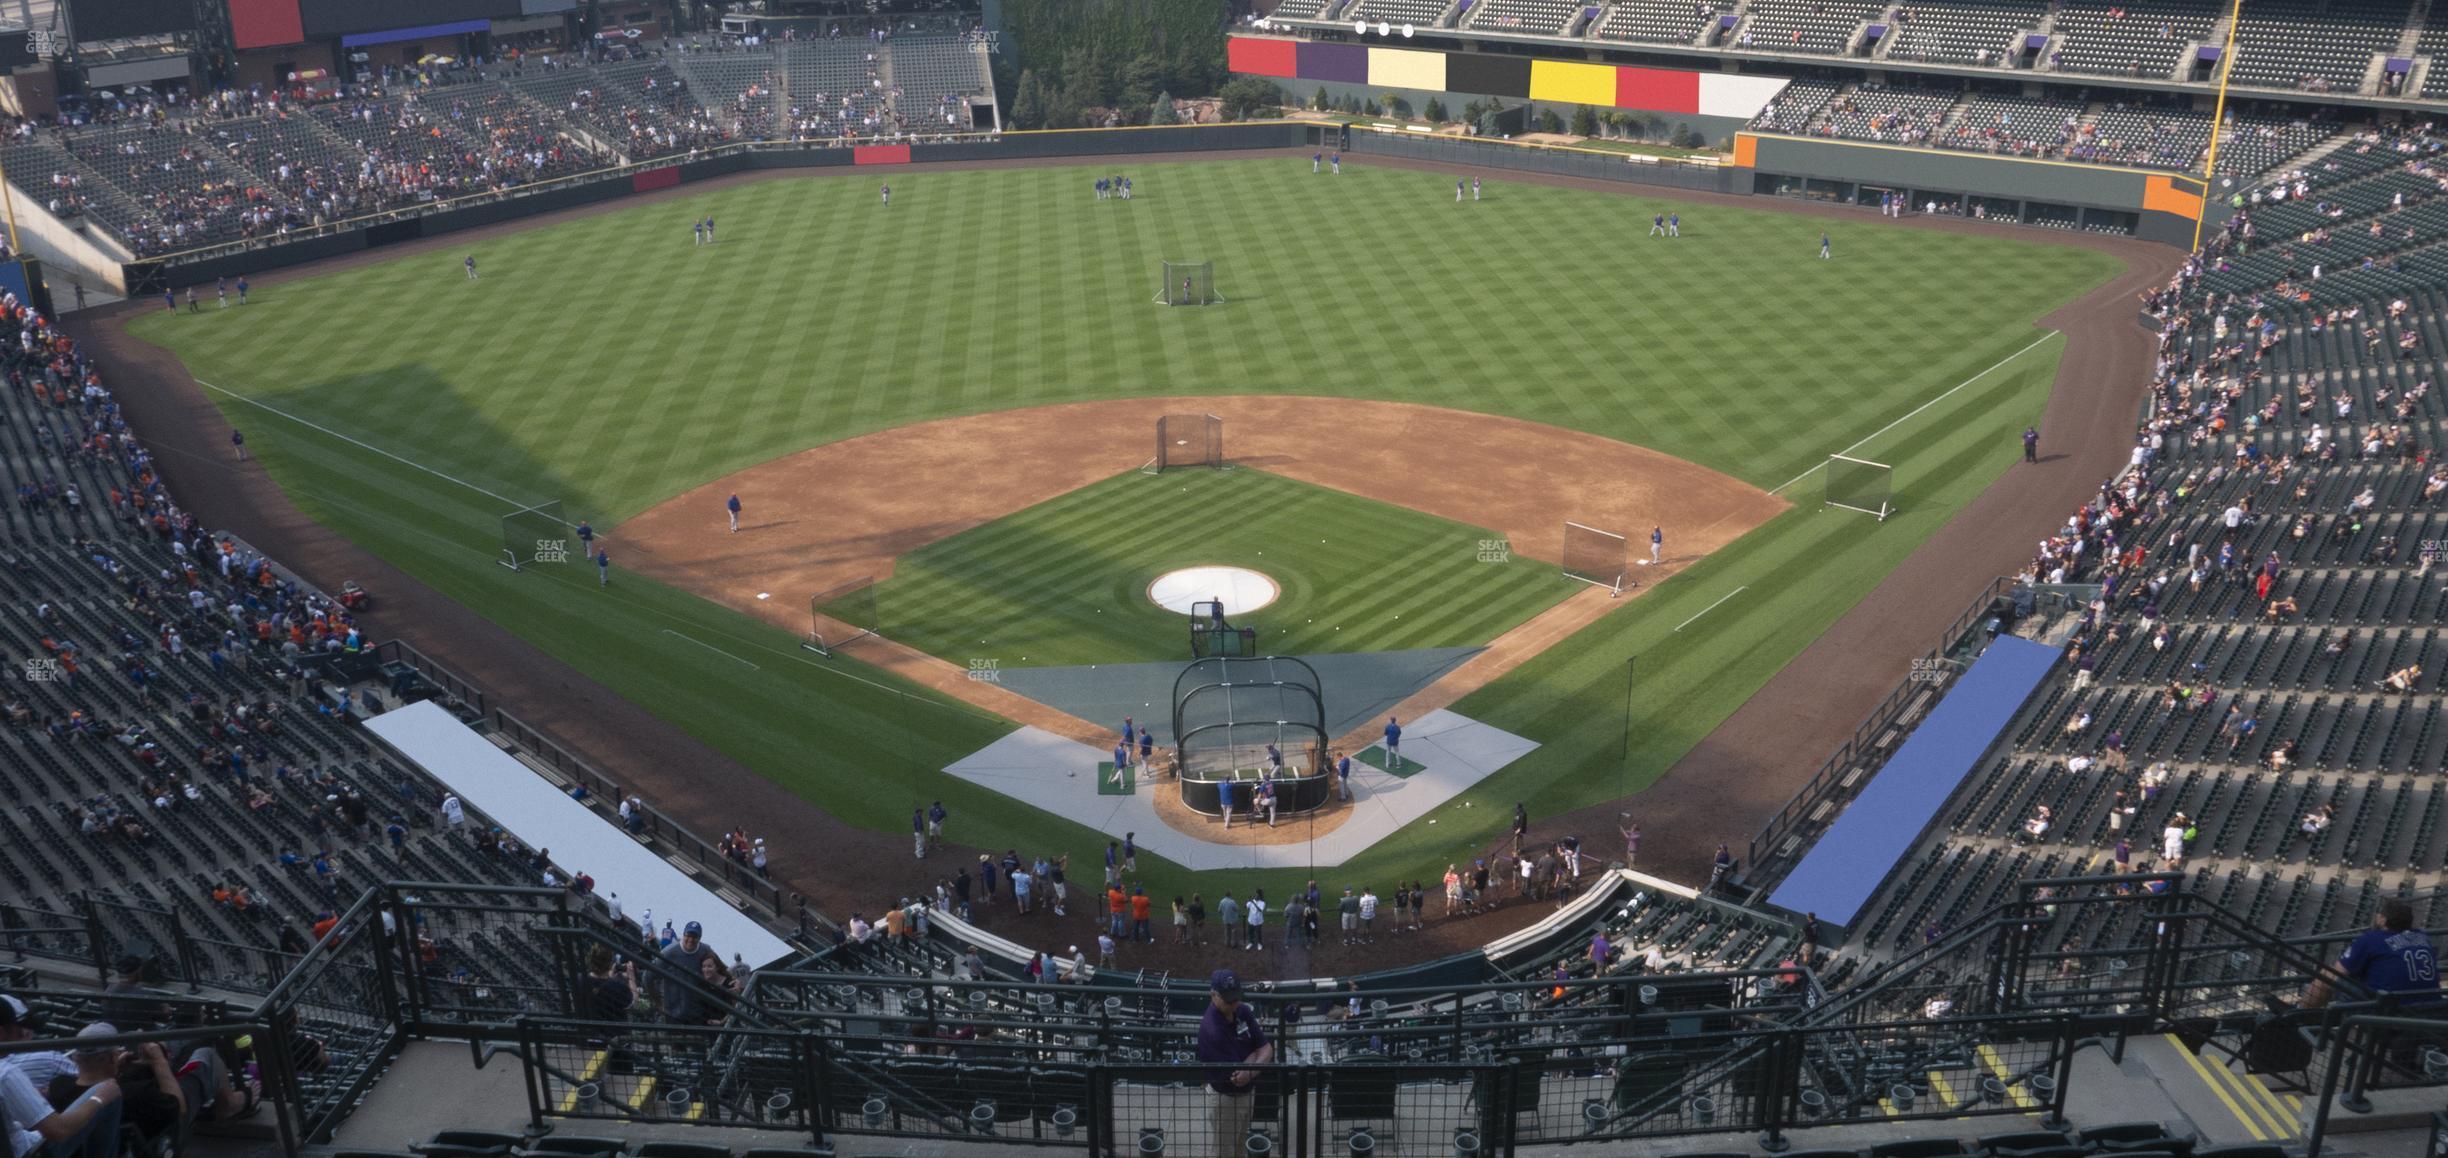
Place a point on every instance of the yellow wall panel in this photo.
(1566, 82)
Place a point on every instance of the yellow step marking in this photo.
(644, 1090)
(594, 1069)
(2257, 1098)
(1941, 1090)
(2289, 1107)
(2203, 1072)
(2014, 1089)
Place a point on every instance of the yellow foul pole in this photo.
(2218, 119)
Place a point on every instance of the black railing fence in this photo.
(1983, 1022)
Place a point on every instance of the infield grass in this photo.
(1066, 581)
(609, 363)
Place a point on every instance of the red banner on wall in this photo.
(663, 178)
(880, 155)
(265, 23)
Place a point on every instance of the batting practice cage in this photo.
(1860, 485)
(1227, 711)
(840, 614)
(537, 534)
(1210, 634)
(1188, 440)
(1187, 283)
(1598, 558)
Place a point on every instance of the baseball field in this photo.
(609, 363)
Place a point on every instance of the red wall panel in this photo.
(1663, 90)
(1260, 57)
(880, 155)
(265, 23)
(663, 178)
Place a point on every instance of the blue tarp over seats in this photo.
(1840, 872)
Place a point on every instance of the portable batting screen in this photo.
(537, 535)
(1861, 485)
(840, 614)
(1598, 558)
(1187, 283)
(1188, 440)
(1210, 634)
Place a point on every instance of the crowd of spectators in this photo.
(166, 173)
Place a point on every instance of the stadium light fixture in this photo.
(1406, 32)
(1383, 28)
(1359, 27)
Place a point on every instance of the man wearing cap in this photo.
(1230, 1033)
(88, 1128)
(682, 1002)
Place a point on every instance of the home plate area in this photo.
(1443, 753)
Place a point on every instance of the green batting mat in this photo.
(1111, 783)
(1375, 757)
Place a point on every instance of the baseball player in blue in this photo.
(1338, 164)
(1474, 188)
(1674, 225)
(1122, 753)
(1393, 741)
(1458, 190)
(1314, 158)
(1147, 748)
(1657, 226)
(470, 263)
(709, 229)
(1100, 188)
(603, 567)
(1342, 769)
(1823, 246)
(1126, 188)
(697, 230)
(1657, 543)
(586, 539)
(732, 505)
(1130, 731)
(888, 195)
(242, 291)
(170, 299)
(1224, 796)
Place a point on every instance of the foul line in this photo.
(361, 445)
(712, 648)
(1918, 409)
(1713, 606)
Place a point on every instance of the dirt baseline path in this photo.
(833, 514)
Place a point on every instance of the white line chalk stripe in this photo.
(266, 406)
(1918, 409)
(711, 648)
(1713, 606)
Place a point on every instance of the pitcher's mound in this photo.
(1239, 589)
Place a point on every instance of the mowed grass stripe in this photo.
(1065, 581)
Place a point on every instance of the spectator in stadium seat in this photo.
(86, 1128)
(2391, 957)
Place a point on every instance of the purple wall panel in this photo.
(1338, 62)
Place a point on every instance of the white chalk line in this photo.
(362, 445)
(1822, 465)
(1713, 606)
(711, 648)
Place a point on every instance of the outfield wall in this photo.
(2153, 205)
(1446, 149)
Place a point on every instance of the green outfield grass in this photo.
(1065, 581)
(609, 363)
